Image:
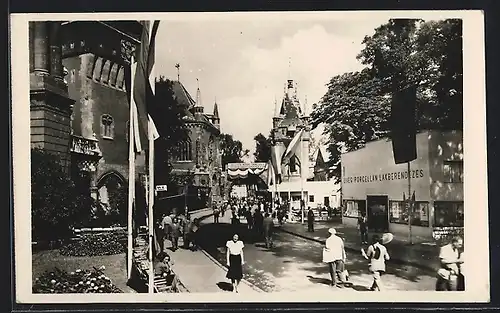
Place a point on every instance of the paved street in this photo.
(295, 263)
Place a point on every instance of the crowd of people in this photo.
(261, 219)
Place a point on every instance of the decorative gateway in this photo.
(242, 170)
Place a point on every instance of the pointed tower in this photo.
(215, 116)
(198, 106)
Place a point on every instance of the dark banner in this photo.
(403, 125)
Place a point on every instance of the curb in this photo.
(249, 284)
(351, 248)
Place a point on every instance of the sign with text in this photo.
(417, 173)
(161, 188)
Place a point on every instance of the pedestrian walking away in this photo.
(216, 214)
(363, 228)
(268, 230)
(235, 261)
(334, 255)
(377, 254)
(450, 276)
(310, 220)
(176, 233)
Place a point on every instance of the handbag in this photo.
(444, 273)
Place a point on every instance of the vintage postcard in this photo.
(250, 157)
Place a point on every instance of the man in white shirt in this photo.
(334, 254)
(377, 254)
(450, 274)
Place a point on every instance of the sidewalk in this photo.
(421, 254)
(199, 272)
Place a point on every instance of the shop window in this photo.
(107, 126)
(398, 213)
(353, 208)
(311, 198)
(448, 214)
(453, 171)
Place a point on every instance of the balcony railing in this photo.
(85, 146)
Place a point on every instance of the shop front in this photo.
(372, 184)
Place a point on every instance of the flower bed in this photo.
(96, 245)
(80, 281)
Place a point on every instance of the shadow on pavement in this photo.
(319, 280)
(225, 286)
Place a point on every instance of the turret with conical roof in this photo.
(198, 106)
(215, 116)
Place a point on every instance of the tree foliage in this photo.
(402, 52)
(231, 149)
(172, 128)
(56, 204)
(262, 148)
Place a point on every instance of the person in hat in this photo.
(377, 254)
(334, 255)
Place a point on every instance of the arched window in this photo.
(90, 66)
(120, 77)
(107, 126)
(185, 151)
(98, 69)
(105, 71)
(112, 74)
(199, 155)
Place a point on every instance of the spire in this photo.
(198, 105)
(276, 108)
(216, 109)
(305, 106)
(177, 66)
(289, 67)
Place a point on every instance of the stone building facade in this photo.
(200, 154)
(79, 103)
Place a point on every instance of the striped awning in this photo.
(242, 170)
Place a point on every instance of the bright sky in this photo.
(243, 60)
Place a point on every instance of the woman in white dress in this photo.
(235, 261)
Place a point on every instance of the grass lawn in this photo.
(116, 265)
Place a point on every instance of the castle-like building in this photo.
(313, 185)
(199, 156)
(78, 99)
(80, 108)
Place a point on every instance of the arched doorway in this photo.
(112, 195)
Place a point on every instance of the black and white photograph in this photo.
(250, 156)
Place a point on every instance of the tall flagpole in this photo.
(151, 195)
(131, 171)
(151, 128)
(303, 204)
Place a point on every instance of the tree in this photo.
(172, 128)
(232, 150)
(262, 148)
(56, 205)
(356, 107)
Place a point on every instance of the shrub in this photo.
(59, 281)
(97, 245)
(57, 206)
